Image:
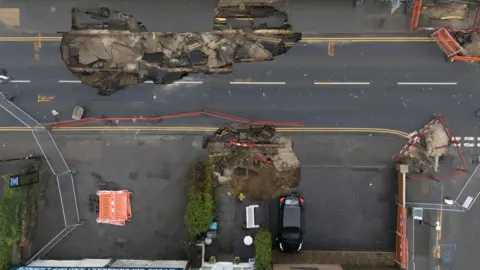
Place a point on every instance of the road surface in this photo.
(381, 85)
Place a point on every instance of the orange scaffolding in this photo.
(401, 239)
(452, 49)
(114, 207)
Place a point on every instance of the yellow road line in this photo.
(211, 129)
(304, 40)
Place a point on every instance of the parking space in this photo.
(349, 186)
(153, 168)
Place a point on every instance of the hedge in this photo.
(200, 203)
(263, 250)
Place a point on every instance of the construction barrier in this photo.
(401, 256)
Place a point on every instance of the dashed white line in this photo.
(262, 83)
(20, 81)
(68, 81)
(468, 144)
(426, 83)
(180, 82)
(469, 139)
(341, 83)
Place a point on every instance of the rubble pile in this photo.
(110, 50)
(253, 161)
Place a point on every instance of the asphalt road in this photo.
(307, 16)
(382, 85)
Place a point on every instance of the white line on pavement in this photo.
(181, 82)
(427, 83)
(341, 83)
(468, 144)
(469, 138)
(68, 81)
(20, 81)
(264, 83)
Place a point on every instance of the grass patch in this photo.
(10, 229)
(200, 202)
(263, 249)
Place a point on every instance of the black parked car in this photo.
(290, 237)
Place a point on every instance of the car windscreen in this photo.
(292, 216)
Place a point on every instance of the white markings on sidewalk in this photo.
(20, 81)
(426, 83)
(259, 83)
(68, 81)
(341, 83)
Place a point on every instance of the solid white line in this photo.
(341, 83)
(427, 83)
(68, 81)
(20, 81)
(469, 138)
(258, 83)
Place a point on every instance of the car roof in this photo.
(292, 216)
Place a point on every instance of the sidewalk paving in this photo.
(26, 17)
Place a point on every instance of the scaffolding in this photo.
(57, 164)
(401, 254)
(416, 153)
(452, 49)
(417, 12)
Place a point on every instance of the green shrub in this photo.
(263, 250)
(200, 203)
(10, 232)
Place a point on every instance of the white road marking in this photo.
(189, 82)
(427, 83)
(68, 81)
(469, 139)
(20, 81)
(478, 144)
(180, 82)
(341, 83)
(458, 139)
(264, 83)
(468, 144)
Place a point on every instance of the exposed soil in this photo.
(262, 167)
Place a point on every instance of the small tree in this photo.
(263, 250)
(200, 205)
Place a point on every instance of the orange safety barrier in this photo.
(417, 8)
(402, 251)
(446, 42)
(114, 207)
(401, 240)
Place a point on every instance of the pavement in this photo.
(24, 17)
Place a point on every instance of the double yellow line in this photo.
(212, 129)
(304, 40)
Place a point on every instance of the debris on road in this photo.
(109, 50)
(433, 152)
(253, 161)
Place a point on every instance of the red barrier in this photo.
(233, 118)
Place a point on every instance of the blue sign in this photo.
(91, 268)
(13, 181)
